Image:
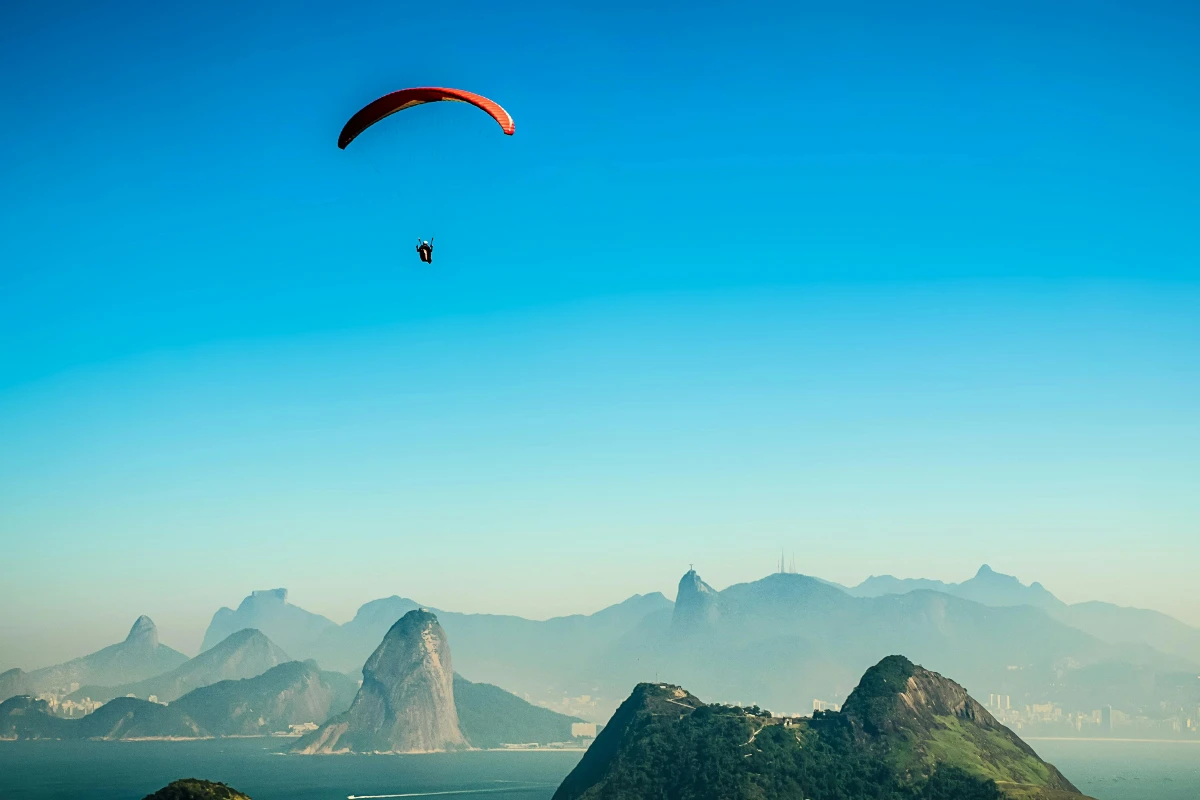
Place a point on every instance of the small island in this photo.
(196, 789)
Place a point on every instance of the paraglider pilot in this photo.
(425, 250)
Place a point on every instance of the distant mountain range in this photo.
(140, 656)
(1106, 621)
(787, 639)
(289, 626)
(408, 701)
(243, 654)
(543, 661)
(802, 637)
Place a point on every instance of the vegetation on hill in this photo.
(291, 693)
(196, 789)
(906, 734)
(917, 719)
(490, 717)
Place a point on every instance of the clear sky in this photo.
(902, 288)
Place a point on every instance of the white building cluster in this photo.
(70, 709)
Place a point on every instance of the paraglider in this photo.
(425, 250)
(389, 104)
(408, 98)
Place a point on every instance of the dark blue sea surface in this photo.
(131, 770)
(1106, 770)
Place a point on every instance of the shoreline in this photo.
(1106, 739)
(276, 736)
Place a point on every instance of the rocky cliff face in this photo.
(290, 694)
(406, 702)
(903, 708)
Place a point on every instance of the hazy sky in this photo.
(903, 291)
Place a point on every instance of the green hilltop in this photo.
(904, 734)
(196, 789)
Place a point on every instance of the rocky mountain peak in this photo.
(896, 694)
(143, 632)
(266, 596)
(695, 603)
(406, 702)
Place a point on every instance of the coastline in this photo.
(290, 736)
(1106, 739)
(158, 738)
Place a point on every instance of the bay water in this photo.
(1106, 770)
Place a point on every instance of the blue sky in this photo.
(901, 289)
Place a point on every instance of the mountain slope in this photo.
(23, 717)
(291, 627)
(406, 702)
(918, 720)
(123, 718)
(548, 660)
(988, 587)
(490, 643)
(14, 682)
(908, 734)
(786, 639)
(131, 718)
(244, 654)
(1118, 624)
(789, 638)
(139, 657)
(491, 717)
(1110, 623)
(292, 693)
(289, 694)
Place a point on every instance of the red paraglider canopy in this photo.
(407, 98)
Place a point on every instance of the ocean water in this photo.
(132, 770)
(1116, 770)
(1106, 770)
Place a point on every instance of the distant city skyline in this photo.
(926, 301)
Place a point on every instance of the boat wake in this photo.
(494, 790)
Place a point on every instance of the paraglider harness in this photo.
(425, 250)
